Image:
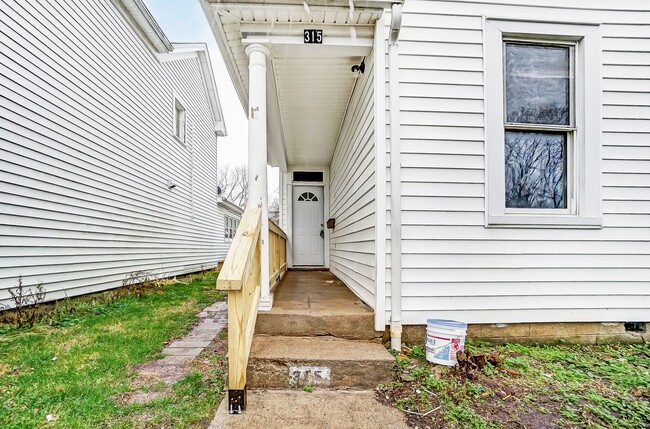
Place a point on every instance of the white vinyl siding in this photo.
(456, 268)
(87, 152)
(352, 193)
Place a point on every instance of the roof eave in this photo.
(229, 206)
(145, 24)
(374, 4)
(200, 50)
(222, 42)
(224, 49)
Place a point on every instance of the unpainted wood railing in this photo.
(240, 276)
(277, 253)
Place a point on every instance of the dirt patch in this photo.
(4, 369)
(144, 397)
(540, 388)
(500, 403)
(160, 371)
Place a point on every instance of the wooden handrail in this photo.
(240, 276)
(273, 227)
(277, 253)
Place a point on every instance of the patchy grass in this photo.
(566, 386)
(79, 361)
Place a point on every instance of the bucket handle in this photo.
(440, 347)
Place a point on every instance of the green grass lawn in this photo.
(564, 386)
(77, 364)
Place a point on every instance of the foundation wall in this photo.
(543, 333)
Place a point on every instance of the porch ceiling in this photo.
(310, 84)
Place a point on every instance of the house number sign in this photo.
(313, 36)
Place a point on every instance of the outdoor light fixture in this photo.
(170, 184)
(359, 68)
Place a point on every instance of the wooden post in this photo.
(257, 153)
(241, 277)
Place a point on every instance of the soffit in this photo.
(313, 82)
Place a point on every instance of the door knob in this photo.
(322, 234)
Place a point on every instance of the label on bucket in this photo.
(445, 349)
(455, 347)
(439, 346)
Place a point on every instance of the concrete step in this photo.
(341, 324)
(279, 362)
(295, 409)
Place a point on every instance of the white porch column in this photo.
(257, 155)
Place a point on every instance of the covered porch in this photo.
(311, 76)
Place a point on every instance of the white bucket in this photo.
(444, 339)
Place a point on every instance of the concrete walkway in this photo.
(178, 355)
(212, 320)
(296, 409)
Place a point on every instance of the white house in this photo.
(485, 161)
(108, 148)
(229, 216)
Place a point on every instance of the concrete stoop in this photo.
(300, 323)
(296, 409)
(280, 362)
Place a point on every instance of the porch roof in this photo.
(308, 86)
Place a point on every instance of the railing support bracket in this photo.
(237, 401)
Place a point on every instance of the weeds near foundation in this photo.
(30, 309)
(26, 301)
(513, 385)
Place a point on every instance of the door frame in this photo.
(289, 184)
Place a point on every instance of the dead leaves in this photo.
(469, 364)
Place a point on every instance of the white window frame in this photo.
(583, 144)
(230, 225)
(179, 120)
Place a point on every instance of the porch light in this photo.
(359, 68)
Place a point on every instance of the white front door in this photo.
(308, 226)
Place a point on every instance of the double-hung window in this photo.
(543, 124)
(539, 126)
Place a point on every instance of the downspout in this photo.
(395, 180)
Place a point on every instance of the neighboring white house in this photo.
(108, 148)
(503, 145)
(228, 219)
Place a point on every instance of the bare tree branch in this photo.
(233, 182)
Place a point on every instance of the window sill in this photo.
(525, 221)
(178, 139)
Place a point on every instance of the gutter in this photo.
(395, 180)
(222, 202)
